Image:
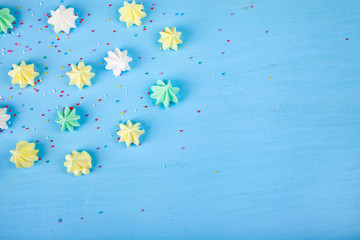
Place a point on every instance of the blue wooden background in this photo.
(269, 110)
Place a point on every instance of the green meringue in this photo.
(164, 93)
(6, 20)
(68, 119)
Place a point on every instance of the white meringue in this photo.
(118, 61)
(63, 19)
(3, 118)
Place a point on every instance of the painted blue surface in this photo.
(279, 121)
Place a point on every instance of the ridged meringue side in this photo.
(24, 155)
(3, 118)
(78, 163)
(6, 20)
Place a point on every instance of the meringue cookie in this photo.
(132, 13)
(78, 163)
(63, 19)
(170, 38)
(130, 133)
(23, 75)
(80, 75)
(6, 20)
(164, 93)
(118, 61)
(68, 119)
(3, 118)
(24, 155)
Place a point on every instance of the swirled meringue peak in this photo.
(78, 163)
(164, 93)
(68, 119)
(23, 75)
(80, 75)
(118, 61)
(130, 133)
(6, 20)
(24, 155)
(170, 38)
(132, 13)
(3, 118)
(63, 19)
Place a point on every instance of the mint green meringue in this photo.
(164, 93)
(68, 119)
(6, 20)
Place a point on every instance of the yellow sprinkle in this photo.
(101, 63)
(69, 50)
(10, 97)
(39, 29)
(43, 63)
(50, 45)
(56, 36)
(47, 120)
(108, 19)
(118, 85)
(19, 7)
(60, 76)
(216, 171)
(45, 73)
(270, 77)
(67, 37)
(62, 66)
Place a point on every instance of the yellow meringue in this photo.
(78, 163)
(131, 13)
(80, 75)
(24, 155)
(130, 133)
(23, 75)
(170, 38)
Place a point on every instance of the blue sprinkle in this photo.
(176, 14)
(31, 109)
(100, 212)
(182, 13)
